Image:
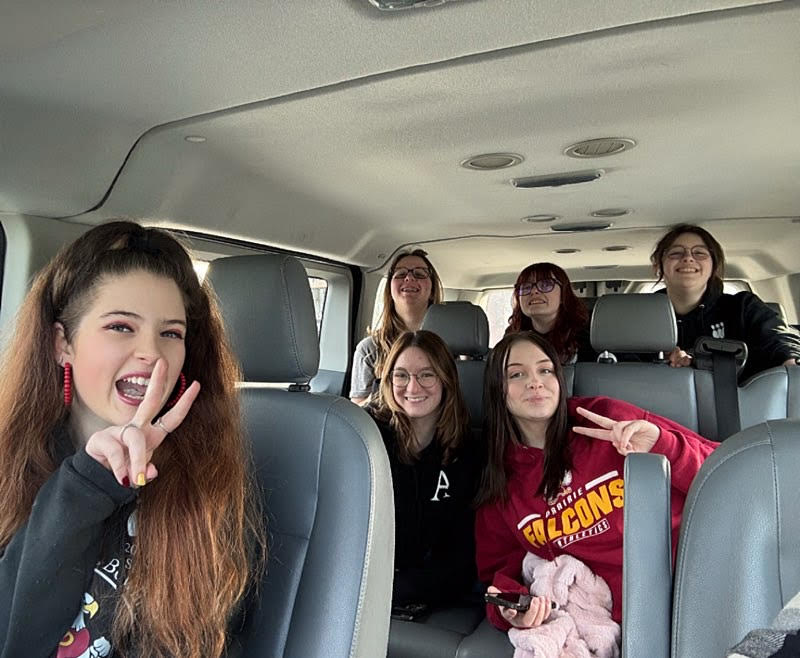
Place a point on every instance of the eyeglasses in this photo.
(542, 285)
(698, 253)
(426, 379)
(416, 272)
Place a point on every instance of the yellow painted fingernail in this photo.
(141, 480)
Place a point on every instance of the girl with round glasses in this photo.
(424, 423)
(545, 303)
(692, 265)
(412, 286)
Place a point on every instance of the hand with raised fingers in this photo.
(126, 450)
(626, 435)
(679, 359)
(538, 612)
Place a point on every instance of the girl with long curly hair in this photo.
(545, 303)
(129, 524)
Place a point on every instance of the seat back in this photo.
(738, 562)
(465, 328)
(324, 471)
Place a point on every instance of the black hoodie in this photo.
(434, 521)
(744, 317)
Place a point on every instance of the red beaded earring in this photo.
(67, 384)
(181, 391)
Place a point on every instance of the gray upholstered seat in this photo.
(737, 552)
(465, 329)
(324, 470)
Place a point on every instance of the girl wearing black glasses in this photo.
(692, 264)
(412, 287)
(424, 423)
(544, 302)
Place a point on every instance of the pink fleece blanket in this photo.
(582, 626)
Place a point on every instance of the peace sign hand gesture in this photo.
(127, 450)
(626, 435)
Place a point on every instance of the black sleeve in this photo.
(45, 568)
(769, 341)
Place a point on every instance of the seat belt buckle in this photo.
(706, 347)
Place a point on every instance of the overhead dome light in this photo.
(580, 227)
(611, 212)
(539, 219)
(195, 139)
(616, 247)
(599, 148)
(492, 161)
(566, 251)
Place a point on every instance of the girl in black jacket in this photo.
(425, 426)
(128, 525)
(692, 264)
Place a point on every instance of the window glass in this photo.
(319, 291)
(377, 309)
(497, 304)
(728, 287)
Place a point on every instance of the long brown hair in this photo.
(502, 429)
(390, 324)
(200, 536)
(572, 318)
(453, 421)
(717, 254)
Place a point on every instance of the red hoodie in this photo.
(585, 519)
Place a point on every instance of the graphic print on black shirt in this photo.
(90, 634)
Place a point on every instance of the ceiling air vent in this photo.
(557, 180)
(492, 161)
(599, 148)
(580, 227)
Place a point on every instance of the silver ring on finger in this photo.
(161, 426)
(122, 433)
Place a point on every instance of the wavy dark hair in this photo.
(390, 324)
(502, 429)
(200, 540)
(453, 422)
(717, 254)
(572, 318)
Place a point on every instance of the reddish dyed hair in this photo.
(572, 318)
(200, 541)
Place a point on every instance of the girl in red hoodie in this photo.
(552, 487)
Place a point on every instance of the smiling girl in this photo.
(412, 287)
(424, 423)
(692, 264)
(129, 524)
(553, 481)
(545, 303)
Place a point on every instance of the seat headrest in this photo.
(462, 325)
(634, 323)
(268, 311)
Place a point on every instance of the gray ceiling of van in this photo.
(335, 129)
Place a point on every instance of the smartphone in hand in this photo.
(513, 600)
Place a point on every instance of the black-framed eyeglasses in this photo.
(542, 285)
(679, 253)
(416, 272)
(426, 378)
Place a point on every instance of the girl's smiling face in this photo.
(131, 321)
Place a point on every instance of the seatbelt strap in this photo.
(726, 394)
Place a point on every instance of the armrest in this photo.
(647, 558)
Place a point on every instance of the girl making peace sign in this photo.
(553, 483)
(128, 525)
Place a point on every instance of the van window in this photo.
(319, 291)
(497, 304)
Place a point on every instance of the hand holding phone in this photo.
(521, 610)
